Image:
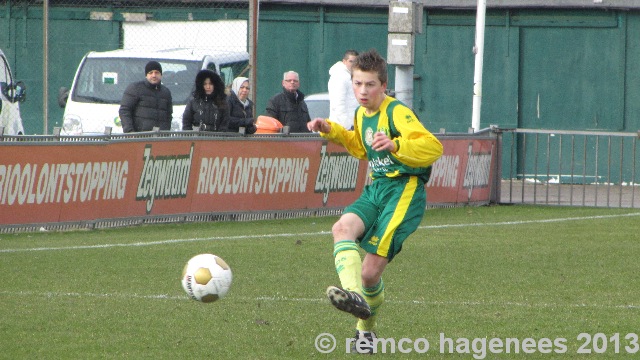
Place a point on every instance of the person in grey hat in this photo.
(147, 103)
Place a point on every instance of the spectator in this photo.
(240, 107)
(207, 108)
(289, 106)
(342, 101)
(147, 104)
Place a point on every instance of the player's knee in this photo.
(370, 278)
(340, 230)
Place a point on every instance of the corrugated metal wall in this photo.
(550, 69)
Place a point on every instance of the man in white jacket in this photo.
(342, 101)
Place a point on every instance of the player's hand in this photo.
(382, 142)
(319, 125)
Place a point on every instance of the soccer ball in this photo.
(206, 278)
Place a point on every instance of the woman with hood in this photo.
(240, 107)
(207, 108)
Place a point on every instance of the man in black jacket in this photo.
(147, 104)
(289, 106)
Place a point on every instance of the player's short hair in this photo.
(371, 61)
(349, 53)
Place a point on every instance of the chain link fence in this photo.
(72, 42)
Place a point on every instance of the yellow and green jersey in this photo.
(416, 148)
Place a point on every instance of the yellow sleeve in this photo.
(349, 139)
(415, 146)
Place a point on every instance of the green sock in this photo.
(375, 298)
(348, 265)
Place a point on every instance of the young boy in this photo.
(400, 152)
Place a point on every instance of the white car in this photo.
(318, 105)
(11, 95)
(93, 101)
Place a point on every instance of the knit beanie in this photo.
(152, 65)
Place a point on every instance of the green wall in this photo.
(573, 77)
(309, 42)
(446, 66)
(550, 68)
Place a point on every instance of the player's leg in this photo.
(373, 266)
(345, 251)
(405, 201)
(373, 290)
(348, 265)
(357, 219)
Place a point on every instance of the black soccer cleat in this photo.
(349, 301)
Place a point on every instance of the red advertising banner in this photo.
(465, 173)
(53, 182)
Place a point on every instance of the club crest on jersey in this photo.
(368, 136)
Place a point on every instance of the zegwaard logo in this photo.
(338, 172)
(478, 170)
(164, 177)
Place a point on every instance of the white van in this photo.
(93, 101)
(11, 95)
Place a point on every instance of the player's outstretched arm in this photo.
(335, 133)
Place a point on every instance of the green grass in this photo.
(488, 272)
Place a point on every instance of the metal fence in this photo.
(59, 33)
(573, 168)
(156, 24)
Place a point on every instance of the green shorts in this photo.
(391, 209)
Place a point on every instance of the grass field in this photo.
(472, 275)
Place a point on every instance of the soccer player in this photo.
(400, 152)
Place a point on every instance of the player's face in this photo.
(368, 89)
(154, 77)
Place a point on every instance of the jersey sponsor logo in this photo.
(338, 171)
(380, 165)
(163, 177)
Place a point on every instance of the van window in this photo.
(230, 71)
(103, 80)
